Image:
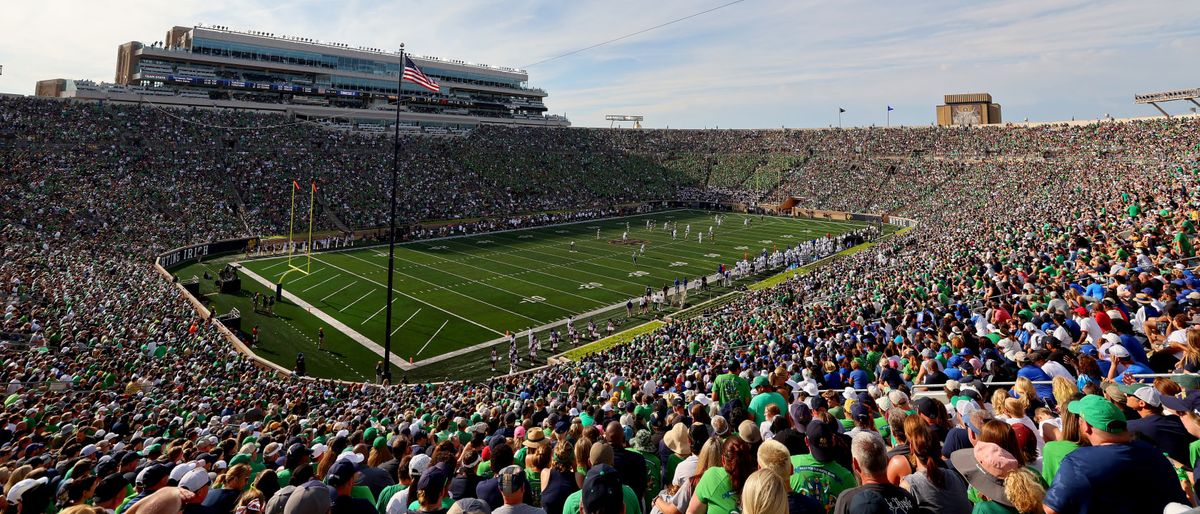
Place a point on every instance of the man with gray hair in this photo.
(874, 495)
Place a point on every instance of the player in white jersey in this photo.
(673, 234)
(642, 250)
(597, 232)
(700, 237)
(746, 222)
(572, 246)
(687, 230)
(625, 236)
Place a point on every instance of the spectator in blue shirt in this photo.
(1120, 361)
(1114, 474)
(858, 377)
(1035, 374)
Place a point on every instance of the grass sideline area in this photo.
(453, 294)
(613, 340)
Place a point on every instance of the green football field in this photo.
(461, 294)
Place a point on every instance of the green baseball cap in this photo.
(1099, 413)
(760, 381)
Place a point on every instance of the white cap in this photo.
(14, 494)
(1119, 351)
(88, 450)
(318, 450)
(1149, 395)
(351, 456)
(179, 471)
(194, 480)
(418, 464)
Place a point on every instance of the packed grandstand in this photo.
(1027, 347)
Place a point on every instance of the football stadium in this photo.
(266, 274)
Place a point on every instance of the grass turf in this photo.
(455, 293)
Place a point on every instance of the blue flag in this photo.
(890, 108)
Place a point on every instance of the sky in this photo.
(755, 64)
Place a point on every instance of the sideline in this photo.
(334, 323)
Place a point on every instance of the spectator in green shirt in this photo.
(720, 488)
(1070, 439)
(729, 385)
(816, 473)
(765, 396)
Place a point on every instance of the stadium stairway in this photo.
(331, 216)
(239, 206)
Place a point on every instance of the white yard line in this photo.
(321, 282)
(406, 322)
(292, 283)
(447, 289)
(411, 297)
(364, 322)
(274, 265)
(482, 283)
(331, 321)
(343, 309)
(338, 291)
(438, 331)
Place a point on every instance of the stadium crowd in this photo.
(1058, 259)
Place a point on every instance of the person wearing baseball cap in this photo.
(764, 395)
(513, 485)
(148, 481)
(431, 491)
(817, 473)
(309, 498)
(1101, 477)
(1120, 362)
(602, 492)
(1165, 432)
(341, 479)
(469, 506)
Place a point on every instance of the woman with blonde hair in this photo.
(997, 404)
(223, 496)
(764, 493)
(1024, 388)
(1064, 389)
(583, 462)
(709, 457)
(17, 475)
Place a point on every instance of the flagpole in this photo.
(387, 323)
(889, 116)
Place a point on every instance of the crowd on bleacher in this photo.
(1052, 273)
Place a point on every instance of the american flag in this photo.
(414, 75)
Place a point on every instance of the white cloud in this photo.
(760, 63)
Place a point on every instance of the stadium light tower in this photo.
(1168, 96)
(636, 119)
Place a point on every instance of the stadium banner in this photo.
(188, 254)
